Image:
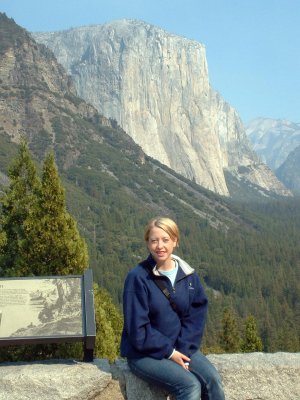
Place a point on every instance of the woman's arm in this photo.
(193, 322)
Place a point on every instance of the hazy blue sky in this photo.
(252, 46)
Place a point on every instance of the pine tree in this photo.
(17, 205)
(53, 245)
(3, 241)
(108, 325)
(229, 336)
(251, 342)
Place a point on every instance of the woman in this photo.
(161, 335)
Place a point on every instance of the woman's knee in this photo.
(188, 389)
(214, 377)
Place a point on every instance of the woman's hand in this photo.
(181, 359)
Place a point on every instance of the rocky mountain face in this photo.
(288, 172)
(273, 139)
(277, 142)
(38, 98)
(156, 86)
(100, 162)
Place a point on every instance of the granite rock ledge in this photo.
(253, 376)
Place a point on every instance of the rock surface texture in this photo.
(273, 139)
(156, 86)
(245, 376)
(277, 142)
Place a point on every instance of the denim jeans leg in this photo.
(167, 375)
(207, 375)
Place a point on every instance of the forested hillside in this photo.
(248, 257)
(247, 253)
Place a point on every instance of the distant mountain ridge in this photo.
(273, 139)
(156, 86)
(288, 172)
(277, 142)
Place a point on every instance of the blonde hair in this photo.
(164, 223)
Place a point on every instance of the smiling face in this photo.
(161, 246)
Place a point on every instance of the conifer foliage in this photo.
(229, 336)
(39, 237)
(251, 341)
(53, 244)
(230, 339)
(17, 205)
(109, 322)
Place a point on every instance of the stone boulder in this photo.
(55, 380)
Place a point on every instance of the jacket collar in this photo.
(184, 266)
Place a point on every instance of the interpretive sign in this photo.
(48, 310)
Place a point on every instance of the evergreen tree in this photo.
(17, 205)
(251, 342)
(229, 336)
(53, 245)
(109, 324)
(3, 241)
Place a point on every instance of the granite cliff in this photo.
(156, 86)
(38, 101)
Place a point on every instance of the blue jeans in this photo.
(202, 381)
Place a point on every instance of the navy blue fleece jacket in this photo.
(151, 327)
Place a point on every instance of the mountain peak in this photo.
(156, 86)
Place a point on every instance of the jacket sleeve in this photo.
(193, 322)
(142, 336)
